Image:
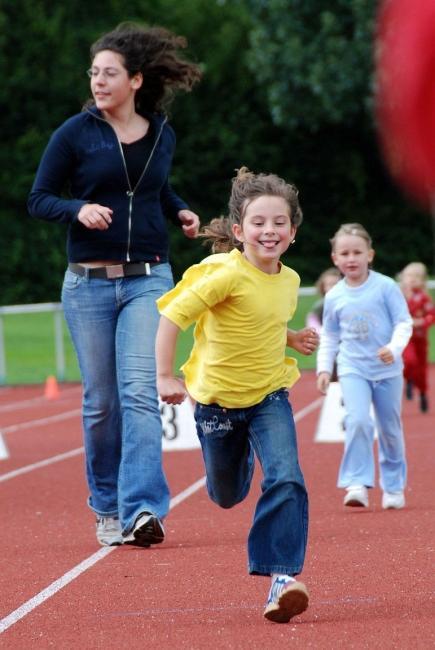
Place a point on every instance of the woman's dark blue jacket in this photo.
(84, 159)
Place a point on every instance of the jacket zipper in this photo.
(131, 192)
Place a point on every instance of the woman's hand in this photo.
(95, 216)
(190, 222)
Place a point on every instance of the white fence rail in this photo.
(56, 309)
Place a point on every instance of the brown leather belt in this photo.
(113, 271)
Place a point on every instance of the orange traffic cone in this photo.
(51, 388)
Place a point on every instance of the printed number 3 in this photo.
(169, 421)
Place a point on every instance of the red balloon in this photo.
(405, 93)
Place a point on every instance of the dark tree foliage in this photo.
(315, 60)
(286, 89)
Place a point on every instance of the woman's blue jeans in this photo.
(113, 325)
(229, 437)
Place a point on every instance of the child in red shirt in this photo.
(413, 280)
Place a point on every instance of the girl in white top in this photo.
(366, 326)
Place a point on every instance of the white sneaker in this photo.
(356, 496)
(287, 598)
(109, 531)
(393, 500)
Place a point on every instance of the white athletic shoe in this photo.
(109, 531)
(357, 496)
(393, 500)
(287, 598)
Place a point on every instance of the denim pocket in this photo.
(71, 280)
(163, 273)
(213, 420)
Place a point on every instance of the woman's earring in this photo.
(292, 242)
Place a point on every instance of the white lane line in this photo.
(41, 463)
(4, 452)
(52, 589)
(42, 421)
(67, 393)
(57, 585)
(308, 409)
(71, 575)
(55, 459)
(187, 492)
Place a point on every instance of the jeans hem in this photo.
(149, 511)
(263, 570)
(105, 514)
(102, 513)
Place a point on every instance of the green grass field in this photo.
(30, 346)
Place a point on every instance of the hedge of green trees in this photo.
(287, 88)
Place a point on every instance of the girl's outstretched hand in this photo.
(305, 341)
(171, 389)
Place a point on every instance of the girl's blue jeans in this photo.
(113, 325)
(229, 437)
(358, 462)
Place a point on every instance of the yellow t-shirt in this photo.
(241, 315)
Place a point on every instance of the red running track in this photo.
(370, 573)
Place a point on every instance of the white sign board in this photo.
(179, 431)
(330, 427)
(4, 453)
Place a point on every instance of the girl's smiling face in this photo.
(352, 256)
(266, 232)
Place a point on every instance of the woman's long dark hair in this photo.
(154, 52)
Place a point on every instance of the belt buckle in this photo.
(115, 271)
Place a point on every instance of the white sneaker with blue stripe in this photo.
(287, 598)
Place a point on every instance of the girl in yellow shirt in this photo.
(241, 300)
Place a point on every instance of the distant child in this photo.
(366, 326)
(325, 282)
(239, 376)
(413, 279)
